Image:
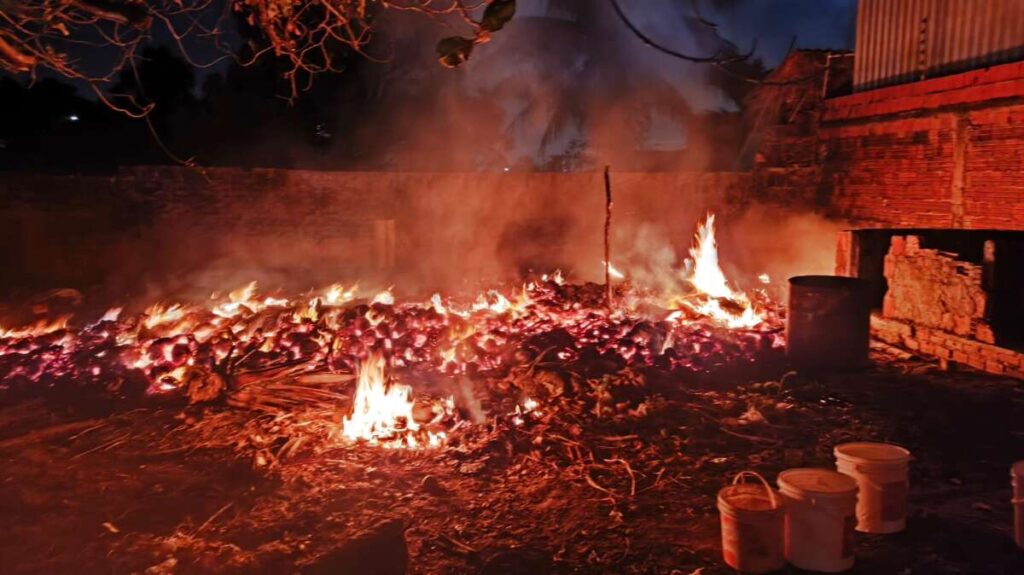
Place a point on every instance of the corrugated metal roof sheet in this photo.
(905, 40)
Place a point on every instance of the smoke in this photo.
(564, 86)
(780, 242)
(419, 232)
(753, 240)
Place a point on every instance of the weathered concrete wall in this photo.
(176, 229)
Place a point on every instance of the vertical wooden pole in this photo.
(607, 237)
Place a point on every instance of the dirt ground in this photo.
(137, 491)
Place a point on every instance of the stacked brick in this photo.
(934, 289)
(948, 348)
(939, 153)
(936, 306)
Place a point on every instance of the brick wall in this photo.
(788, 165)
(940, 306)
(935, 289)
(949, 349)
(177, 229)
(942, 153)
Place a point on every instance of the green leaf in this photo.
(497, 14)
(454, 50)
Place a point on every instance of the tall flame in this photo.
(723, 304)
(382, 410)
(707, 276)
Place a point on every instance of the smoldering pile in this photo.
(201, 352)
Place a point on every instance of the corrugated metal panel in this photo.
(905, 40)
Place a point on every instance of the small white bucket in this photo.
(752, 519)
(880, 470)
(820, 516)
(1017, 473)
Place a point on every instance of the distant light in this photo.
(506, 168)
(73, 118)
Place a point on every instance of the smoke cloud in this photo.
(562, 91)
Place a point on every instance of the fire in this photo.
(385, 297)
(714, 298)
(382, 410)
(41, 327)
(243, 300)
(337, 294)
(613, 272)
(496, 302)
(707, 276)
(172, 346)
(111, 314)
(160, 314)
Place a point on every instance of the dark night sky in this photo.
(815, 23)
(517, 57)
(774, 23)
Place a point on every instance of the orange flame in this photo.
(42, 327)
(161, 314)
(612, 271)
(716, 299)
(382, 410)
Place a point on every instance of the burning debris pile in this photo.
(272, 353)
(527, 430)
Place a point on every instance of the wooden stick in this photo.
(607, 236)
(212, 517)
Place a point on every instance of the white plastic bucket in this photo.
(820, 517)
(752, 523)
(1017, 473)
(880, 470)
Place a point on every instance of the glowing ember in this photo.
(382, 410)
(527, 407)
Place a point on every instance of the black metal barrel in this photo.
(828, 322)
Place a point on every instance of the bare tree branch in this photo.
(719, 57)
(308, 35)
